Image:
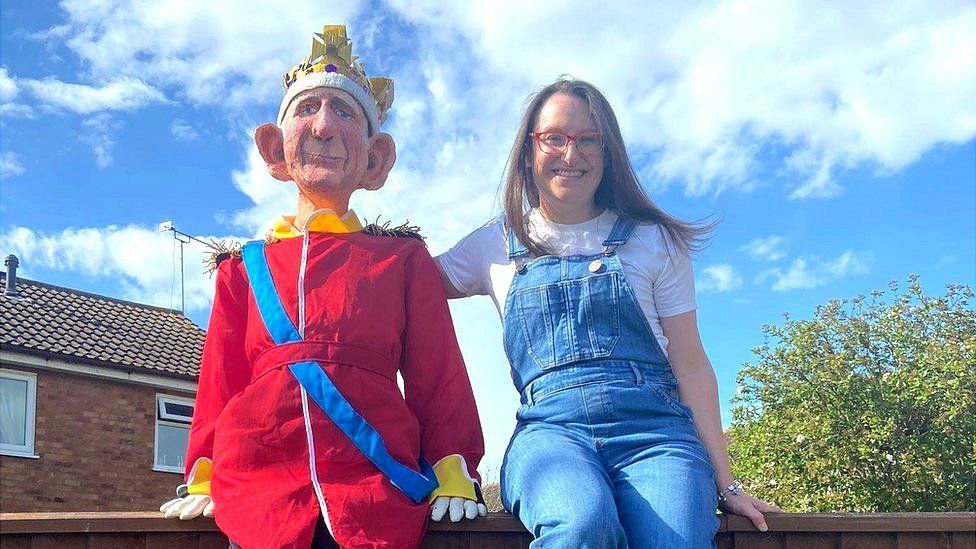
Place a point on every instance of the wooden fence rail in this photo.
(147, 530)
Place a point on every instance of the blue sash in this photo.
(415, 485)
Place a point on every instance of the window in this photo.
(173, 416)
(18, 402)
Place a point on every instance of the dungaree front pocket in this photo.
(667, 391)
(570, 320)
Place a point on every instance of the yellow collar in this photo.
(320, 221)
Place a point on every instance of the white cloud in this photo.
(807, 273)
(8, 88)
(215, 52)
(120, 94)
(99, 136)
(767, 248)
(182, 131)
(847, 263)
(16, 110)
(8, 93)
(718, 278)
(10, 165)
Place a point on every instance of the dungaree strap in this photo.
(415, 485)
(619, 235)
(517, 252)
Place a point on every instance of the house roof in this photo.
(53, 321)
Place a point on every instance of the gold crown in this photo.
(332, 53)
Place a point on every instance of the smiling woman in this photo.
(594, 285)
(567, 120)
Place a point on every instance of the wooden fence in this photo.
(501, 531)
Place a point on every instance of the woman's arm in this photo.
(449, 289)
(699, 391)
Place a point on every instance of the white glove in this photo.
(188, 507)
(192, 498)
(459, 508)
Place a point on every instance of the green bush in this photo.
(869, 406)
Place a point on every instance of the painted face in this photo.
(325, 142)
(567, 182)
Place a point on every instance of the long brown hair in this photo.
(619, 189)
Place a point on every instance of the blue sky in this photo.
(835, 144)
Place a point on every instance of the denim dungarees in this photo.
(604, 454)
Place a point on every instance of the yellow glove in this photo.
(192, 498)
(457, 491)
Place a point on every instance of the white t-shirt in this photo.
(659, 273)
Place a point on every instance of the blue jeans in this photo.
(605, 455)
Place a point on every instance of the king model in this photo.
(301, 436)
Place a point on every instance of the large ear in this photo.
(382, 155)
(271, 145)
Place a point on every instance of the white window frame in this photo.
(171, 420)
(30, 419)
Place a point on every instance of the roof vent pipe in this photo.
(11, 263)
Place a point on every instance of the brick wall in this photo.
(95, 439)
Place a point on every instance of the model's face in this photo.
(566, 181)
(325, 143)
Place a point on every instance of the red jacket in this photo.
(381, 298)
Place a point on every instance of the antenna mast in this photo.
(182, 238)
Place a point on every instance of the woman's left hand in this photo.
(750, 507)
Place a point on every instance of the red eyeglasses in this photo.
(555, 143)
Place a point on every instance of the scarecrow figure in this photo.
(301, 434)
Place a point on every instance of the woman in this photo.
(619, 439)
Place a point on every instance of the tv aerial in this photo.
(182, 238)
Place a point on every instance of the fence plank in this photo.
(213, 541)
(99, 540)
(751, 540)
(964, 540)
(171, 540)
(860, 540)
(927, 540)
(59, 541)
(723, 540)
(22, 541)
(497, 541)
(446, 540)
(813, 540)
